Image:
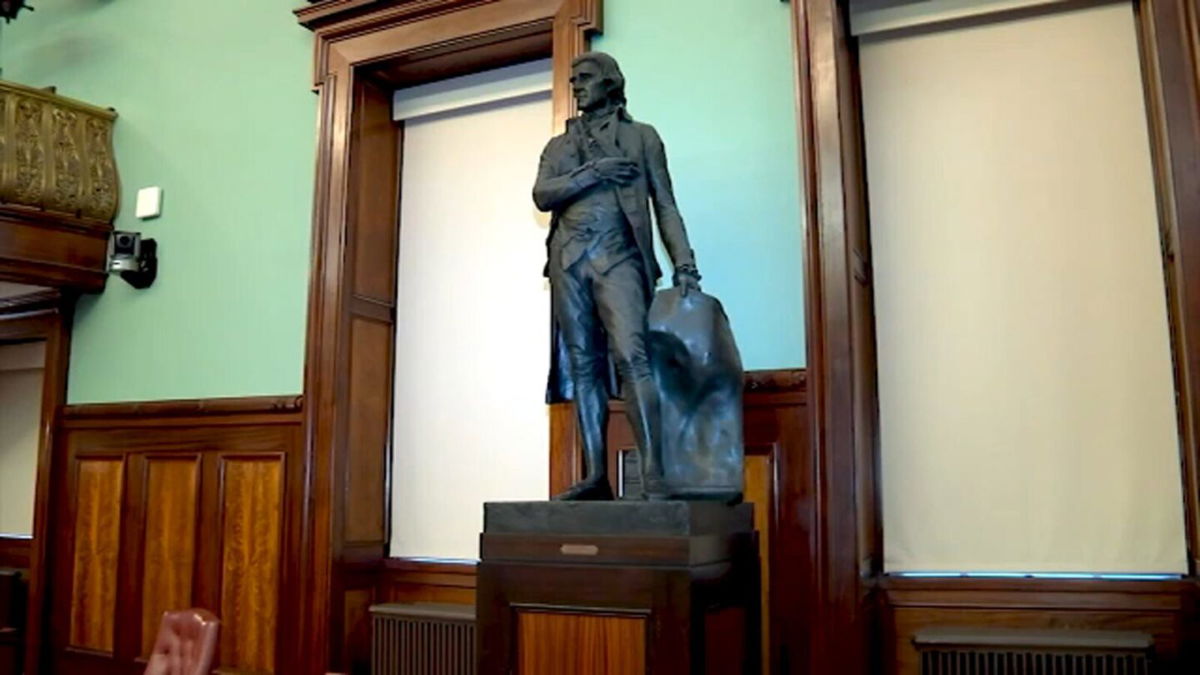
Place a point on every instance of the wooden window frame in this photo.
(847, 537)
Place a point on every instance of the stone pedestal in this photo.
(618, 588)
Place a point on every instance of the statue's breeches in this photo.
(589, 306)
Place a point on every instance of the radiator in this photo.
(965, 651)
(422, 639)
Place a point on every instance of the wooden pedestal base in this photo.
(618, 588)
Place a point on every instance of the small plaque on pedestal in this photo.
(618, 588)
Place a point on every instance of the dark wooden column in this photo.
(845, 540)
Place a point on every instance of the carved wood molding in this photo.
(792, 380)
(109, 414)
(574, 25)
(761, 388)
(57, 250)
(339, 17)
(31, 302)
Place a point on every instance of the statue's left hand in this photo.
(687, 279)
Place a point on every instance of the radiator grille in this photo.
(423, 639)
(1003, 652)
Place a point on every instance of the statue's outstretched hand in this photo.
(686, 278)
(616, 170)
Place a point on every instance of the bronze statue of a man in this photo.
(600, 179)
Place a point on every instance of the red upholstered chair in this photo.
(186, 644)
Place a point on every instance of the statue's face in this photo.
(589, 86)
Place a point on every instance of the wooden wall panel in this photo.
(369, 432)
(169, 557)
(776, 427)
(197, 504)
(724, 641)
(760, 491)
(356, 626)
(252, 505)
(582, 644)
(376, 179)
(99, 484)
(566, 462)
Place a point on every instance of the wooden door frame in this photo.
(43, 315)
(364, 50)
(847, 532)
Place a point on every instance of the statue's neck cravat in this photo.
(600, 133)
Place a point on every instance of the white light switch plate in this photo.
(149, 202)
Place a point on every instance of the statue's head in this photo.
(596, 80)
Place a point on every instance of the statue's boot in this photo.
(642, 408)
(591, 409)
(587, 490)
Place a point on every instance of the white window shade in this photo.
(1027, 412)
(473, 312)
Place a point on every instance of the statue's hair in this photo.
(609, 70)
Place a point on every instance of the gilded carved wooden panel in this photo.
(56, 154)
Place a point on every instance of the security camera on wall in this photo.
(136, 259)
(10, 8)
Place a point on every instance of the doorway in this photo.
(34, 330)
(22, 370)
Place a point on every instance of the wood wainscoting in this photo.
(173, 505)
(399, 580)
(448, 583)
(778, 474)
(1165, 610)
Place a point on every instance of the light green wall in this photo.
(715, 77)
(215, 107)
